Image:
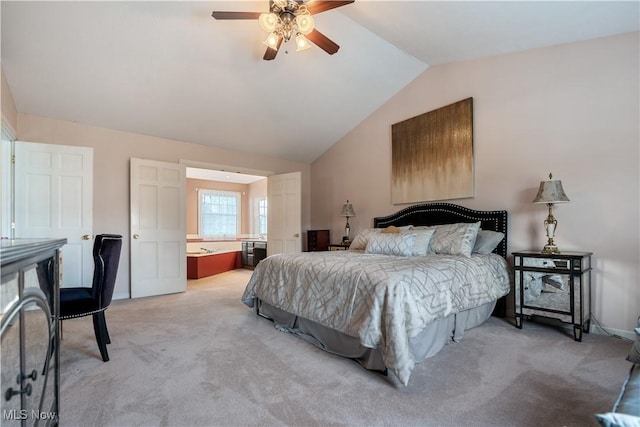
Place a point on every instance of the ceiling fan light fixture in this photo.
(272, 41)
(281, 4)
(305, 23)
(302, 43)
(268, 21)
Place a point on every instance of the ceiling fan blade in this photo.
(270, 54)
(318, 6)
(235, 15)
(323, 42)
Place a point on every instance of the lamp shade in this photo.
(302, 43)
(268, 21)
(347, 210)
(551, 191)
(272, 41)
(305, 23)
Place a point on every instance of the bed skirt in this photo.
(426, 344)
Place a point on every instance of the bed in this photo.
(405, 288)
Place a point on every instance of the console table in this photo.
(29, 331)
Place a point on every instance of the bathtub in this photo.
(206, 258)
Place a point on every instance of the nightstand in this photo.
(339, 247)
(556, 286)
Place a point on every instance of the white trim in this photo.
(228, 168)
(599, 330)
(7, 126)
(7, 213)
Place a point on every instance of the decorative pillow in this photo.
(614, 419)
(391, 244)
(359, 242)
(421, 244)
(392, 229)
(487, 241)
(454, 239)
(634, 354)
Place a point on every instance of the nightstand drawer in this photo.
(561, 263)
(550, 263)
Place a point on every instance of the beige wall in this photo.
(112, 151)
(572, 110)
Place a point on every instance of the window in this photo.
(261, 217)
(219, 213)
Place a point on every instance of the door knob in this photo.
(86, 237)
(296, 235)
(135, 236)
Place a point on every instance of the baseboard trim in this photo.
(630, 335)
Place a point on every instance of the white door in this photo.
(54, 199)
(284, 205)
(158, 228)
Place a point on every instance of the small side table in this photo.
(339, 247)
(556, 286)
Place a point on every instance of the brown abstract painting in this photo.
(432, 155)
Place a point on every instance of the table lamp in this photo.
(550, 192)
(347, 210)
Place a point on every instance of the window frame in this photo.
(238, 196)
(261, 211)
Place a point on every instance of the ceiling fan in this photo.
(287, 18)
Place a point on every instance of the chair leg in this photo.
(106, 331)
(100, 329)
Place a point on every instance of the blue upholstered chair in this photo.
(79, 302)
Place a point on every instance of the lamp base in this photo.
(550, 249)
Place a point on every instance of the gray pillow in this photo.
(614, 419)
(487, 241)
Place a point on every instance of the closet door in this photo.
(54, 199)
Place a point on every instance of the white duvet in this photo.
(382, 300)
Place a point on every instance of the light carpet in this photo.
(202, 358)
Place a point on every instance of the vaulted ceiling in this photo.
(168, 69)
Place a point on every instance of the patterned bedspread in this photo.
(382, 300)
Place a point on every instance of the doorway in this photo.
(242, 192)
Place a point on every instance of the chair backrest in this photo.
(106, 257)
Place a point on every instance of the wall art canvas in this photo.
(432, 155)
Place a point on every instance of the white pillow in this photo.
(454, 239)
(359, 242)
(391, 244)
(421, 244)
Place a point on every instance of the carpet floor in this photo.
(202, 358)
